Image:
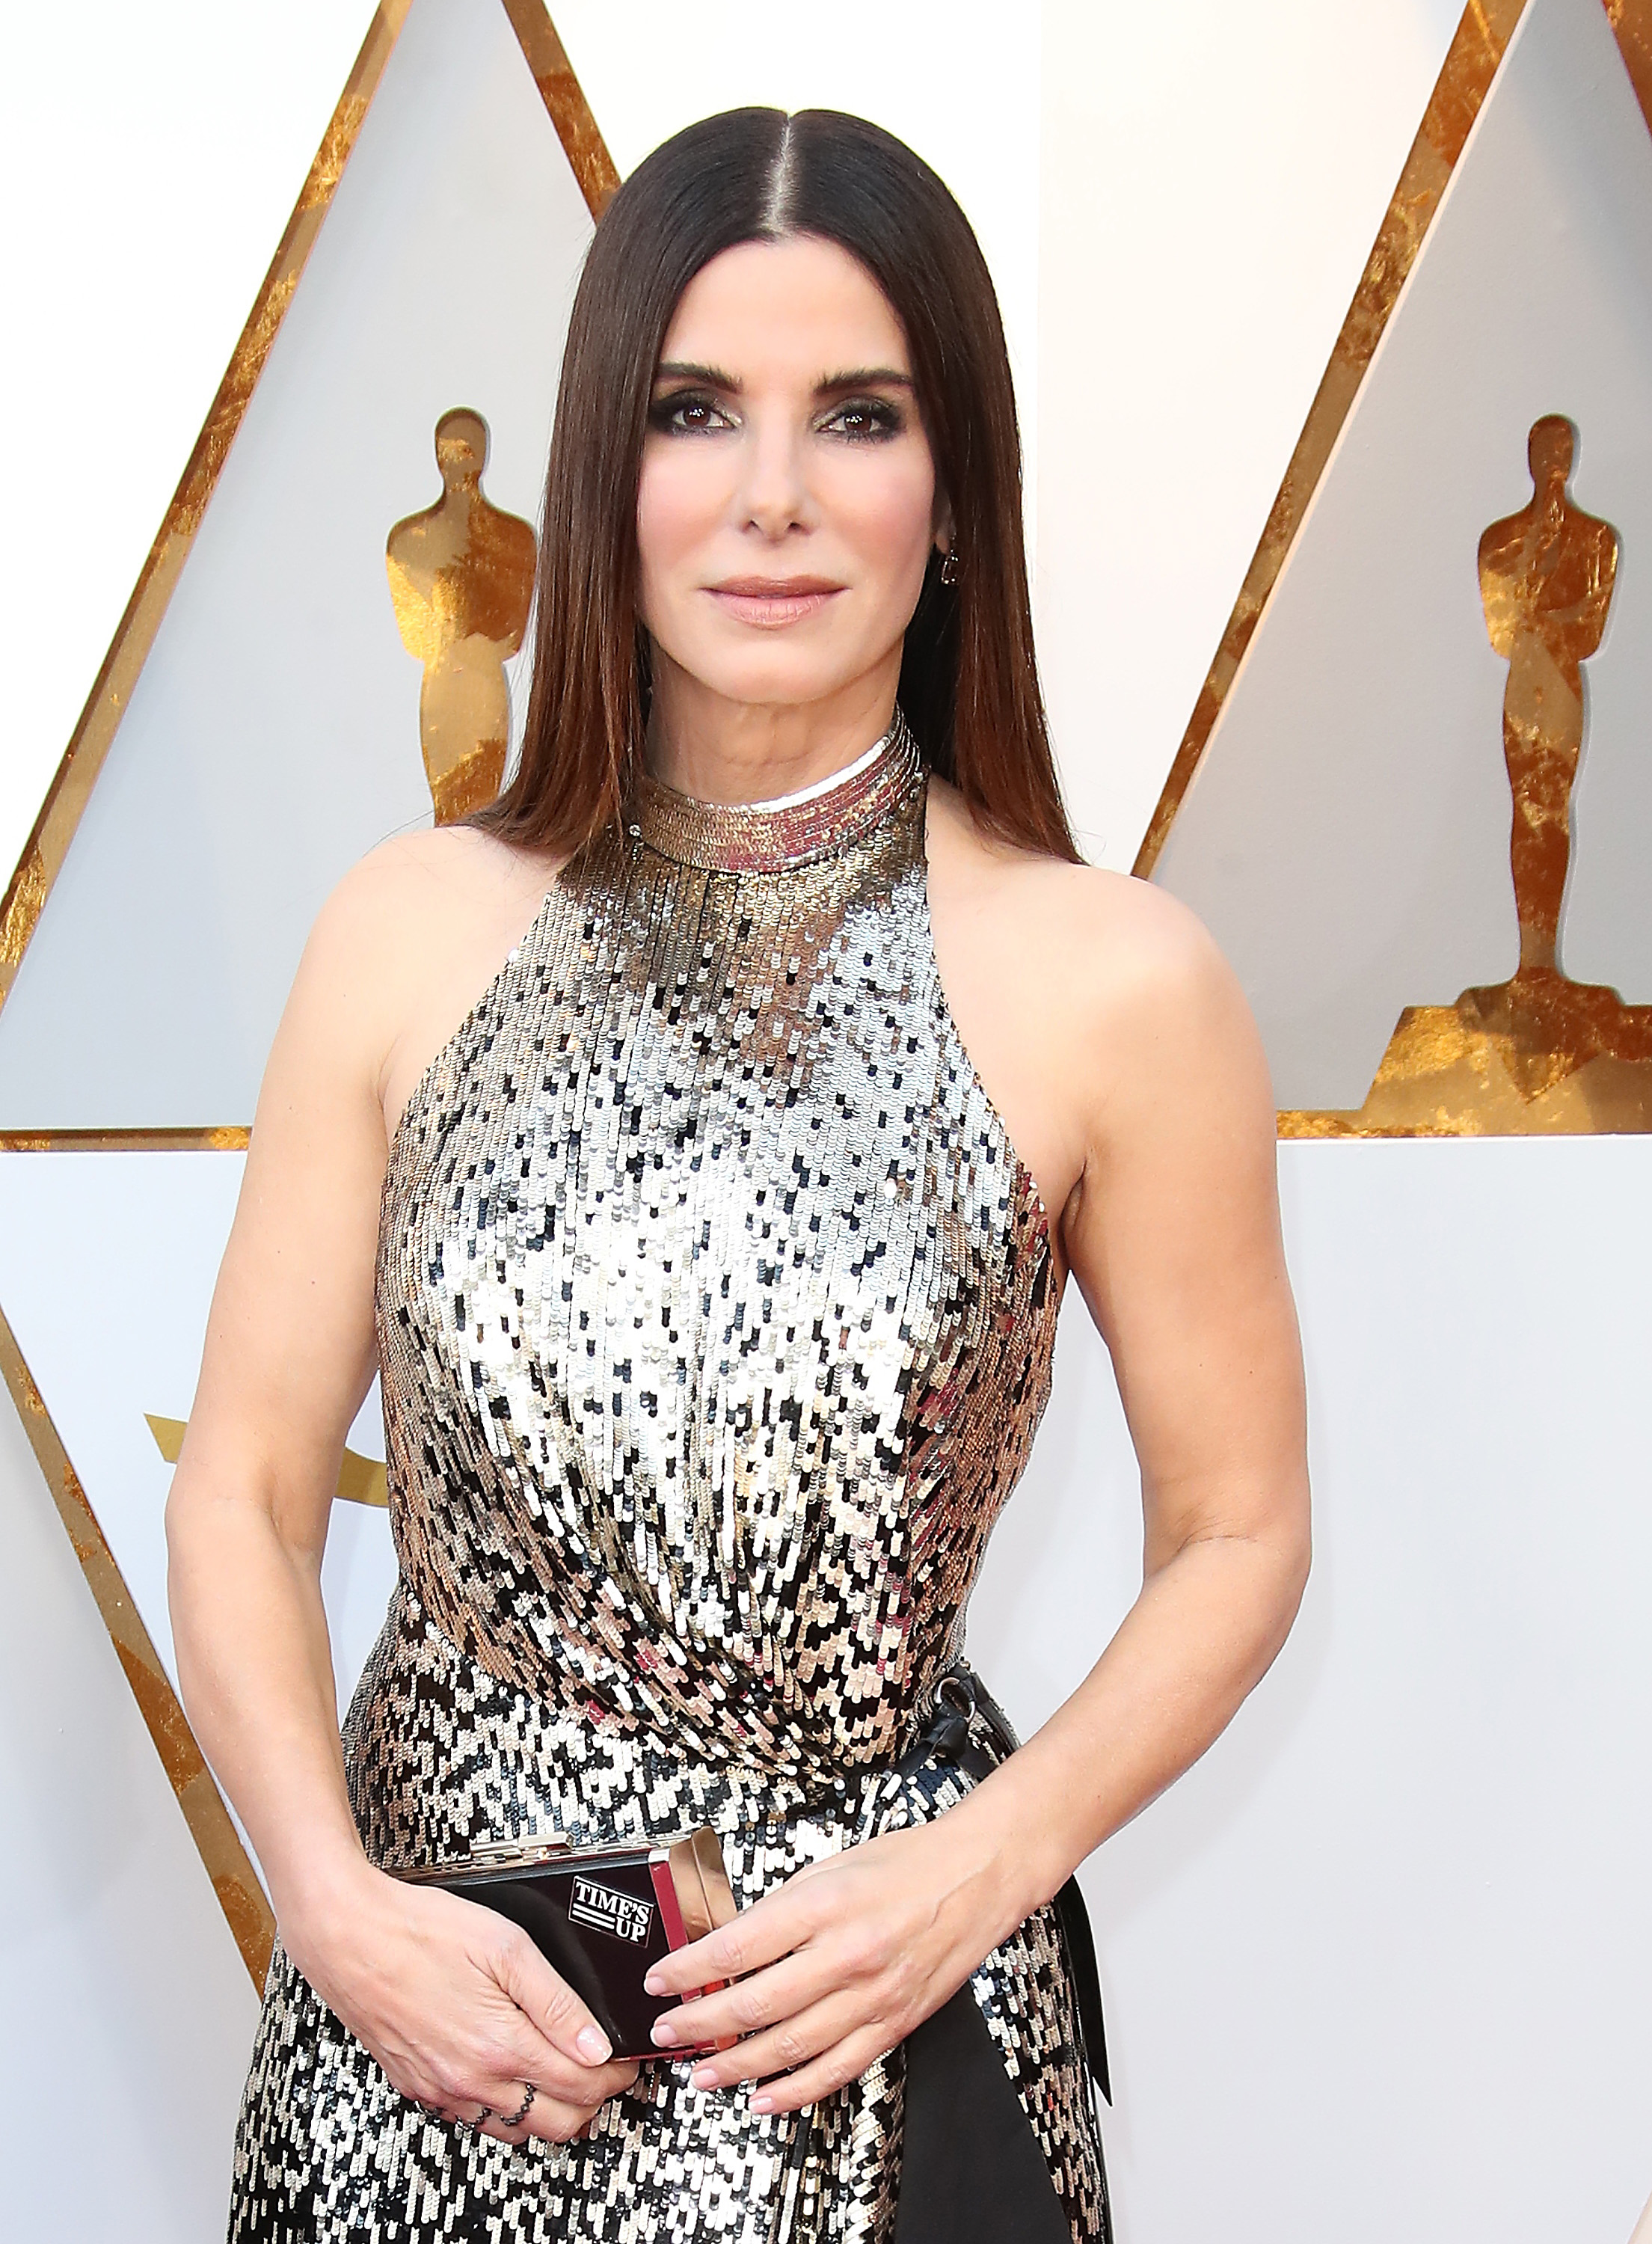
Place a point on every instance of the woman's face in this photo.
(787, 503)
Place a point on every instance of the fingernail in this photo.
(592, 2045)
(761, 2102)
(702, 2077)
(652, 1983)
(664, 2032)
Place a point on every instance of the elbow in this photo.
(187, 1564)
(189, 1502)
(1295, 1552)
(226, 1511)
(1299, 1549)
(178, 1520)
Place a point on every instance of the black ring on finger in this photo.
(516, 2118)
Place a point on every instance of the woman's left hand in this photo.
(839, 1964)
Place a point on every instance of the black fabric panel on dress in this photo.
(971, 2170)
(1079, 1939)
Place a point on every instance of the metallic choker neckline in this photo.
(774, 837)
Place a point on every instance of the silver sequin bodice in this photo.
(715, 1308)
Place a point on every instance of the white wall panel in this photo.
(1382, 1963)
(128, 2010)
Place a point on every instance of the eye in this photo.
(864, 420)
(687, 413)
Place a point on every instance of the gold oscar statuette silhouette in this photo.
(1546, 579)
(1538, 1053)
(461, 580)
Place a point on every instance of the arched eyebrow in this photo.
(864, 377)
(831, 385)
(676, 369)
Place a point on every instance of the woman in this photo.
(715, 1249)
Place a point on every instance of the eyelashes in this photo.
(852, 421)
(866, 420)
(687, 413)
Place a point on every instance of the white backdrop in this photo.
(1382, 1960)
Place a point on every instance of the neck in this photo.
(785, 833)
(717, 750)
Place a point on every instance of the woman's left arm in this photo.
(1172, 1233)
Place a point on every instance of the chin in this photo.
(782, 681)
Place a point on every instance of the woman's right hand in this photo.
(457, 2004)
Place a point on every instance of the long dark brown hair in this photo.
(968, 675)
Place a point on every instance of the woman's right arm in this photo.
(457, 2005)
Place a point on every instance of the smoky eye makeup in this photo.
(869, 420)
(686, 412)
(684, 407)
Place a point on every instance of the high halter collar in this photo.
(789, 830)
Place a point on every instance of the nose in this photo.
(772, 497)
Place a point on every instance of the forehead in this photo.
(802, 307)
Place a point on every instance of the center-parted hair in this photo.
(968, 675)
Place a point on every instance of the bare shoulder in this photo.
(413, 891)
(404, 945)
(1098, 1013)
(1121, 960)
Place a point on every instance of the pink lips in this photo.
(772, 602)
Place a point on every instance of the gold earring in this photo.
(949, 565)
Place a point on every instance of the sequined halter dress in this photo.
(714, 1319)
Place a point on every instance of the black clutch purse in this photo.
(600, 1915)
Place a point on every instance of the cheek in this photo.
(680, 501)
(886, 516)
